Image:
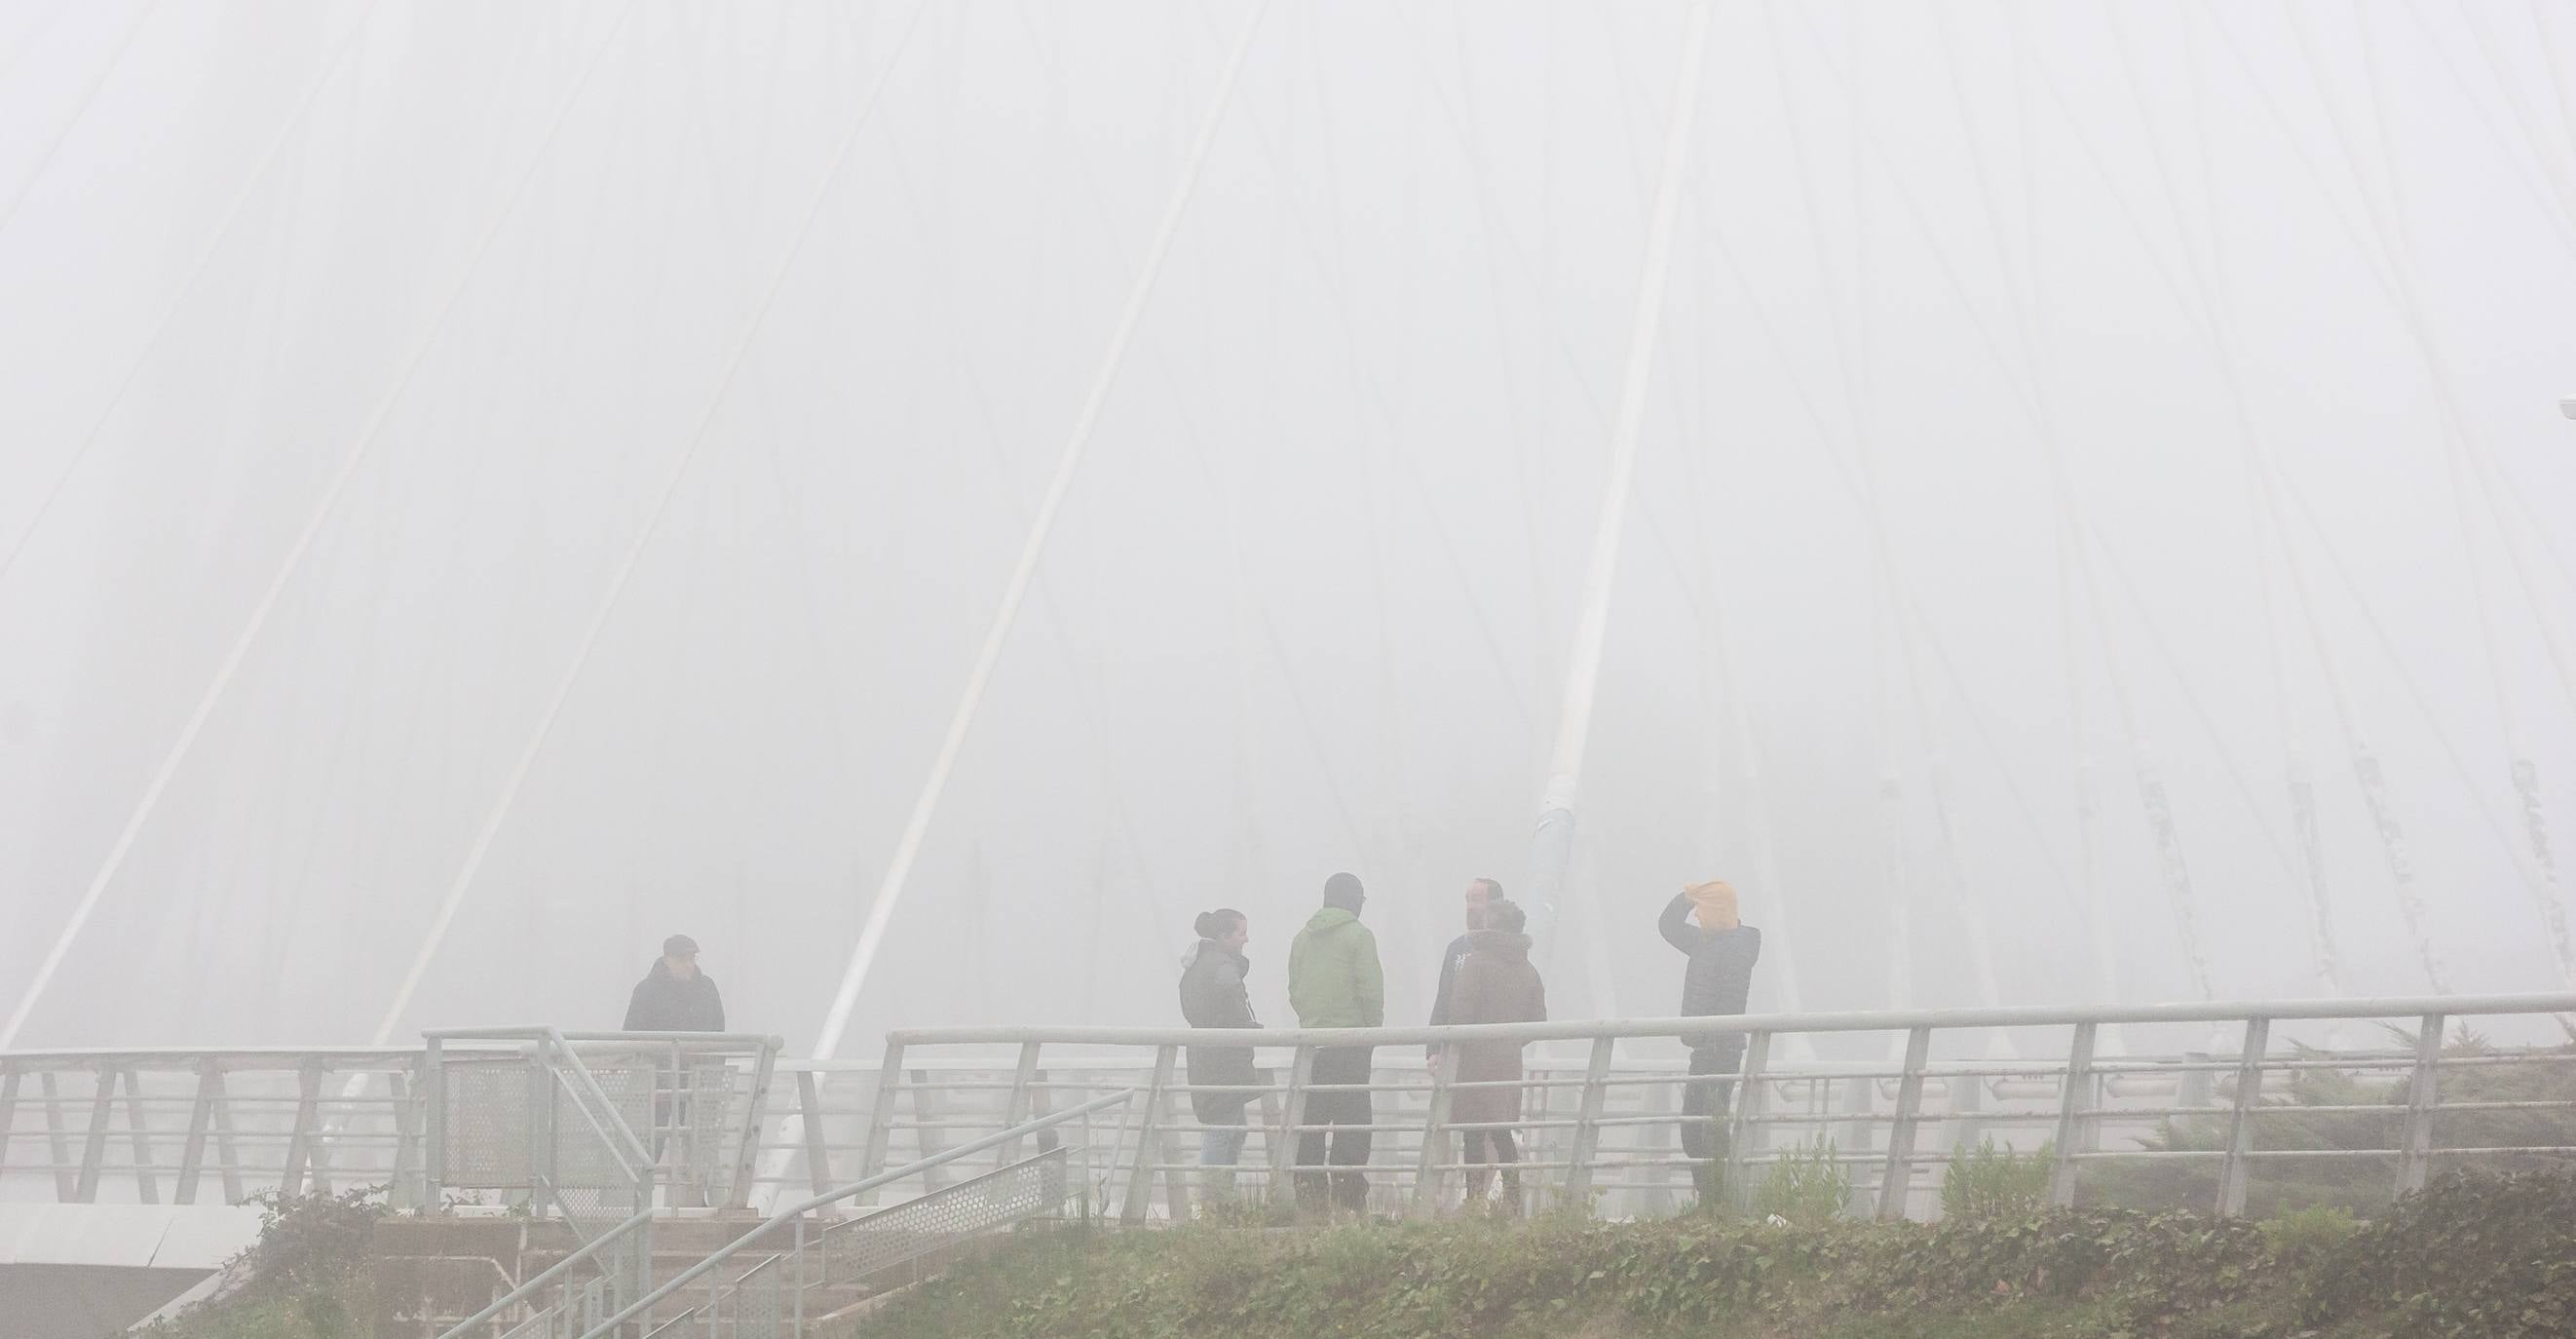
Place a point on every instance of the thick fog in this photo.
(2059, 415)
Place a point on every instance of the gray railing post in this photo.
(2240, 1120)
(2072, 1121)
(227, 1152)
(1896, 1174)
(1017, 1110)
(809, 1119)
(299, 1141)
(1751, 1097)
(1292, 1113)
(1140, 1178)
(201, 1118)
(147, 1188)
(405, 1191)
(541, 1126)
(66, 1178)
(1967, 1109)
(433, 1125)
(8, 1109)
(881, 1119)
(755, 1115)
(94, 1143)
(1427, 1177)
(2423, 1094)
(1587, 1123)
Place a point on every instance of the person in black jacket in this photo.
(674, 995)
(1213, 996)
(1722, 950)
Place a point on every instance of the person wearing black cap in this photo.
(674, 995)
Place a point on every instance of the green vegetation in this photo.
(306, 1278)
(1991, 1182)
(2490, 1257)
(1808, 1186)
(2296, 1116)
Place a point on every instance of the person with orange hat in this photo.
(1701, 921)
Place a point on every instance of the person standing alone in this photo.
(1213, 996)
(674, 996)
(1334, 981)
(1722, 949)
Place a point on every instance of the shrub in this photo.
(2307, 1236)
(305, 1278)
(1809, 1185)
(2492, 1256)
(1991, 1182)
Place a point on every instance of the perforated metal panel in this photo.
(488, 1133)
(944, 1218)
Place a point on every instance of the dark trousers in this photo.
(1349, 1148)
(1705, 1111)
(1493, 1146)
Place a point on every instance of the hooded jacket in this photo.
(665, 1003)
(1213, 995)
(1333, 974)
(1720, 973)
(1496, 984)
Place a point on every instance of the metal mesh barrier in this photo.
(487, 1125)
(945, 1218)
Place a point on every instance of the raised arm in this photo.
(1675, 923)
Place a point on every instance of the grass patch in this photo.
(2425, 1269)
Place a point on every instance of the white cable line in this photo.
(2310, 872)
(899, 869)
(196, 270)
(2389, 226)
(2072, 570)
(2560, 207)
(1552, 840)
(636, 547)
(45, 160)
(2545, 47)
(321, 514)
(2203, 313)
(36, 38)
(1854, 360)
(2399, 286)
(2027, 309)
(1192, 434)
(1753, 808)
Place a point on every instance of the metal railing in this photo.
(2218, 1099)
(155, 1126)
(232, 1124)
(936, 1221)
(2192, 1103)
(502, 1102)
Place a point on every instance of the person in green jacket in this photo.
(1334, 981)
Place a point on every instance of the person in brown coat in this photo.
(1496, 984)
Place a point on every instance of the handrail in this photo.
(539, 1032)
(530, 1288)
(803, 1207)
(2220, 1011)
(600, 1095)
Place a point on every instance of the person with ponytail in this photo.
(1213, 996)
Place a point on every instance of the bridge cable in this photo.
(322, 512)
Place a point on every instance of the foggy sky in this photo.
(1309, 602)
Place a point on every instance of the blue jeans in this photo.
(1221, 1146)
